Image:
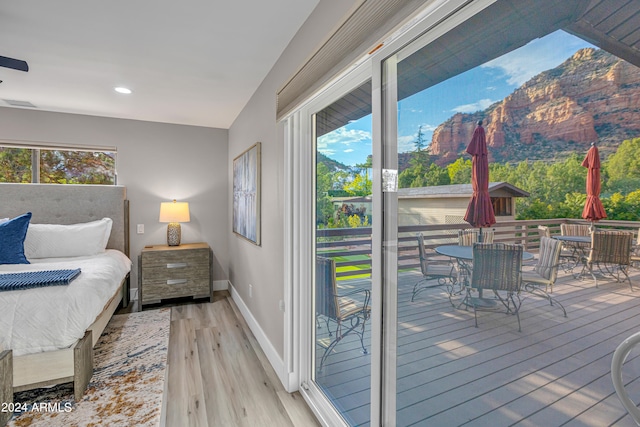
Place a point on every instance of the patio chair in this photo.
(574, 229)
(430, 271)
(573, 252)
(611, 254)
(566, 256)
(470, 236)
(348, 310)
(496, 267)
(544, 231)
(545, 271)
(467, 237)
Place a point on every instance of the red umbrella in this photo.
(593, 209)
(480, 210)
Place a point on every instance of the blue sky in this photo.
(471, 91)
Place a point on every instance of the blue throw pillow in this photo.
(12, 234)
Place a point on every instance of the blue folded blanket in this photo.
(36, 279)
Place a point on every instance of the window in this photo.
(502, 206)
(23, 163)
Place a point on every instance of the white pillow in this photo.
(57, 240)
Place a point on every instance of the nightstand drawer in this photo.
(188, 271)
(176, 259)
(175, 288)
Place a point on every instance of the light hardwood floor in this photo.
(217, 374)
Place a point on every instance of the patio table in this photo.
(463, 255)
(574, 239)
(579, 246)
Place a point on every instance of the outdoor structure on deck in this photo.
(447, 204)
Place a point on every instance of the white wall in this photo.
(263, 267)
(156, 162)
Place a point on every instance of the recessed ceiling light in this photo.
(121, 89)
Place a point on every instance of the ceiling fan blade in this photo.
(16, 64)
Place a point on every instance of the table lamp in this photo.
(174, 213)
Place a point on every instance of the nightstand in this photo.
(174, 272)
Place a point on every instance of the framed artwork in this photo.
(246, 194)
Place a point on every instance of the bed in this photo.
(32, 360)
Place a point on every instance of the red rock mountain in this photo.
(592, 96)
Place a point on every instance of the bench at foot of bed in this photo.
(37, 370)
(6, 385)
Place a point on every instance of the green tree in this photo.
(420, 157)
(416, 174)
(564, 178)
(625, 162)
(354, 221)
(324, 205)
(623, 168)
(460, 171)
(77, 167)
(15, 164)
(360, 185)
(437, 175)
(620, 207)
(411, 178)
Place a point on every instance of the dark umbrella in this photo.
(593, 209)
(480, 210)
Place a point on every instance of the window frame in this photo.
(36, 149)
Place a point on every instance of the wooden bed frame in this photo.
(64, 204)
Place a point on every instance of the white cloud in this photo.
(476, 106)
(405, 143)
(538, 55)
(327, 143)
(427, 128)
(350, 150)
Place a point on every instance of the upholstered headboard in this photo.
(70, 204)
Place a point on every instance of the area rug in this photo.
(127, 385)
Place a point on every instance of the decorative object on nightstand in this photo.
(174, 272)
(174, 213)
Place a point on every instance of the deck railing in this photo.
(352, 246)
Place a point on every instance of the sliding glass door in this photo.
(342, 296)
(386, 154)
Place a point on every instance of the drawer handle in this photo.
(176, 281)
(177, 265)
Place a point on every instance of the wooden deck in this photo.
(555, 372)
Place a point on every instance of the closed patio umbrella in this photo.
(480, 210)
(593, 209)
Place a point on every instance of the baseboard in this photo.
(220, 285)
(133, 294)
(268, 349)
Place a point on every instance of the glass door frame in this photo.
(437, 18)
(434, 20)
(300, 246)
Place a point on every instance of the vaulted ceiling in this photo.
(613, 25)
(198, 63)
(195, 62)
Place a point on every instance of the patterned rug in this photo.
(126, 388)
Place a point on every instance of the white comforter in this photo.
(54, 317)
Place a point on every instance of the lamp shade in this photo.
(174, 212)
